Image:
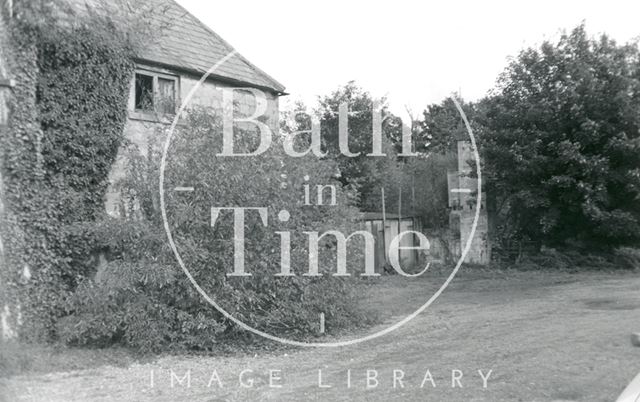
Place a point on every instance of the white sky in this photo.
(414, 52)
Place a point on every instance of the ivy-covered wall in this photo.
(5, 94)
(68, 112)
(18, 167)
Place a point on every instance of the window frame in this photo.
(155, 113)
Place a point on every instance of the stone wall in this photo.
(145, 129)
(463, 209)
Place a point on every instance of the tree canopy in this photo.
(561, 142)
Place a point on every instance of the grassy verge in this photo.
(19, 358)
(382, 297)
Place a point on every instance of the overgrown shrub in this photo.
(561, 144)
(141, 298)
(576, 260)
(628, 257)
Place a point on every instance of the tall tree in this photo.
(442, 126)
(562, 144)
(362, 171)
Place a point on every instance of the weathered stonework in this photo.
(462, 205)
(147, 129)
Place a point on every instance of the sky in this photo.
(413, 52)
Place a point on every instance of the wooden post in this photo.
(413, 194)
(384, 227)
(399, 220)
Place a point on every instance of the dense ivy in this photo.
(82, 92)
(66, 124)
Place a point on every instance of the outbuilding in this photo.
(393, 225)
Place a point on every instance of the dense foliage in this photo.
(363, 171)
(66, 129)
(66, 125)
(562, 143)
(559, 137)
(419, 182)
(442, 126)
(141, 298)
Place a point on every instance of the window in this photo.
(144, 92)
(155, 92)
(166, 95)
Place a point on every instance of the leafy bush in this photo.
(141, 298)
(628, 257)
(561, 143)
(575, 260)
(423, 183)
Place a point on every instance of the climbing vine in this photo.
(66, 124)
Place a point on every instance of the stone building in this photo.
(170, 63)
(462, 189)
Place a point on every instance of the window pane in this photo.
(166, 95)
(144, 92)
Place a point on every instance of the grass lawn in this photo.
(545, 337)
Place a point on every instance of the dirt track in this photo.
(545, 337)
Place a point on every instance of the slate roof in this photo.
(185, 43)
